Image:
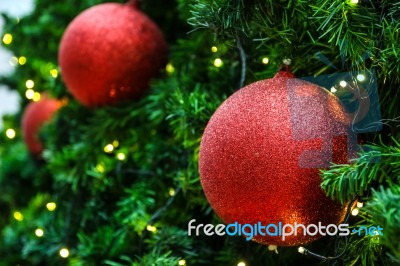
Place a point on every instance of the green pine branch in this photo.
(376, 164)
(384, 208)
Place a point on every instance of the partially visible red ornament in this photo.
(261, 152)
(109, 53)
(35, 115)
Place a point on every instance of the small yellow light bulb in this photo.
(100, 168)
(109, 148)
(182, 262)
(64, 253)
(29, 84)
(151, 228)
(360, 77)
(214, 49)
(301, 250)
(51, 206)
(54, 73)
(218, 62)
(171, 192)
(36, 97)
(121, 156)
(115, 143)
(241, 264)
(360, 204)
(354, 212)
(29, 94)
(170, 68)
(39, 232)
(18, 216)
(265, 60)
(22, 60)
(10, 133)
(7, 38)
(343, 83)
(354, 1)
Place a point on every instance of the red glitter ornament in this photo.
(35, 115)
(260, 150)
(109, 53)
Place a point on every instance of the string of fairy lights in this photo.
(355, 210)
(217, 62)
(110, 148)
(10, 133)
(39, 232)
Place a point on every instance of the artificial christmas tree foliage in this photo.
(35, 115)
(109, 53)
(260, 150)
(119, 184)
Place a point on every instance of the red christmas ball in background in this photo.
(260, 153)
(109, 53)
(35, 115)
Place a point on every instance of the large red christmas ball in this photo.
(109, 53)
(262, 151)
(35, 115)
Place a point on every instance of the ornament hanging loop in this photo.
(287, 61)
(284, 69)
